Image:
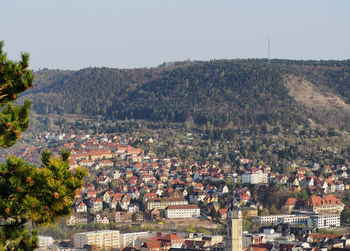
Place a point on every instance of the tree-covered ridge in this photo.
(223, 92)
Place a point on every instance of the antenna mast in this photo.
(268, 51)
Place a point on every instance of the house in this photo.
(155, 246)
(76, 219)
(309, 181)
(122, 216)
(174, 240)
(116, 174)
(222, 213)
(293, 182)
(95, 205)
(154, 214)
(125, 201)
(128, 174)
(249, 212)
(107, 196)
(101, 219)
(242, 194)
(197, 197)
(199, 186)
(195, 244)
(81, 207)
(115, 199)
(223, 190)
(133, 208)
(289, 205)
(91, 194)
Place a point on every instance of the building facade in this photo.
(327, 204)
(100, 239)
(162, 203)
(254, 176)
(128, 239)
(324, 221)
(283, 218)
(234, 241)
(182, 211)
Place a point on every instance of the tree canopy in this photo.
(28, 194)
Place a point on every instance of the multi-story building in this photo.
(328, 204)
(122, 216)
(162, 203)
(128, 239)
(45, 241)
(254, 176)
(324, 220)
(295, 219)
(182, 211)
(249, 212)
(311, 220)
(283, 218)
(100, 239)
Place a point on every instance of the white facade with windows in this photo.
(162, 203)
(128, 239)
(254, 176)
(273, 218)
(182, 211)
(100, 239)
(313, 221)
(45, 241)
(324, 220)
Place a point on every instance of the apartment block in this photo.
(162, 203)
(101, 239)
(182, 211)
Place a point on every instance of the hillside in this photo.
(224, 92)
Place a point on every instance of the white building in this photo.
(128, 239)
(295, 219)
(45, 241)
(133, 208)
(272, 218)
(254, 176)
(162, 203)
(182, 211)
(283, 218)
(324, 220)
(100, 239)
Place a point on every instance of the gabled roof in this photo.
(318, 201)
(290, 202)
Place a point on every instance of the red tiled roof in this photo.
(290, 202)
(318, 201)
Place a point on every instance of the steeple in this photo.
(234, 228)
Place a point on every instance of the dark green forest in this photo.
(225, 93)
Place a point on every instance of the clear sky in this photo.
(74, 34)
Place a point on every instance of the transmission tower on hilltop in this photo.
(268, 51)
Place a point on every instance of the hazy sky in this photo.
(73, 34)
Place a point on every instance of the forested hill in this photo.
(224, 92)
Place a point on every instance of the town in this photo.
(133, 198)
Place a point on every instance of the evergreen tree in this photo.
(28, 194)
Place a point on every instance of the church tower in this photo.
(234, 230)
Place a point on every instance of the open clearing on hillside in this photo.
(309, 95)
(324, 105)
